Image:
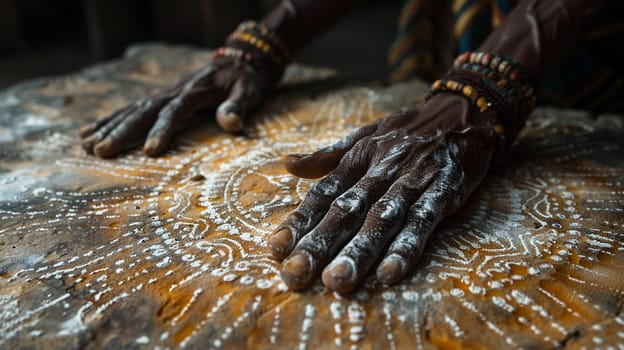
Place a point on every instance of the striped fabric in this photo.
(432, 32)
(423, 44)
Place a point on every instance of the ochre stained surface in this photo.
(169, 252)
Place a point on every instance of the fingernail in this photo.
(150, 146)
(339, 273)
(280, 241)
(391, 269)
(87, 144)
(230, 122)
(291, 161)
(296, 156)
(298, 265)
(102, 149)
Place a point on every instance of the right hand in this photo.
(386, 187)
(230, 85)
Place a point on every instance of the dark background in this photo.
(52, 37)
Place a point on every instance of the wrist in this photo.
(462, 112)
(258, 46)
(492, 83)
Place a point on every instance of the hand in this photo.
(388, 185)
(230, 85)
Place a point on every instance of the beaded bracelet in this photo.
(262, 38)
(264, 31)
(259, 46)
(491, 63)
(504, 65)
(489, 81)
(478, 99)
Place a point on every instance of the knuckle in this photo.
(389, 212)
(352, 201)
(360, 146)
(329, 186)
(297, 220)
(428, 216)
(411, 183)
(408, 243)
(362, 246)
(176, 103)
(383, 169)
(361, 151)
(314, 245)
(375, 178)
(143, 104)
(423, 216)
(453, 185)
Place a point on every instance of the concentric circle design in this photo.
(170, 252)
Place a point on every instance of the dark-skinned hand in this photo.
(229, 85)
(386, 187)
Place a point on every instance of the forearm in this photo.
(299, 21)
(540, 34)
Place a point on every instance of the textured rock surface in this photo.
(169, 252)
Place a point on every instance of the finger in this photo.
(441, 198)
(89, 142)
(134, 121)
(383, 222)
(317, 202)
(91, 127)
(175, 113)
(343, 219)
(132, 126)
(245, 96)
(319, 163)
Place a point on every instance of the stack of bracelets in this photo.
(259, 46)
(492, 81)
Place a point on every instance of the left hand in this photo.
(388, 185)
(229, 85)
